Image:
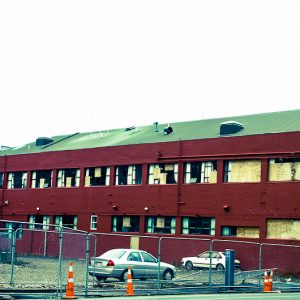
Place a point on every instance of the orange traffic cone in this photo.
(267, 287)
(129, 283)
(70, 285)
(271, 281)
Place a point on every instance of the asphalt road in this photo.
(239, 296)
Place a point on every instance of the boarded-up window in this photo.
(248, 232)
(240, 231)
(283, 229)
(242, 171)
(284, 169)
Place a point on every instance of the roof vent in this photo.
(230, 127)
(129, 128)
(168, 130)
(42, 141)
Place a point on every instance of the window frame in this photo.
(63, 175)
(157, 172)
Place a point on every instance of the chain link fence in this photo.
(39, 259)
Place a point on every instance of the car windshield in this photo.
(115, 253)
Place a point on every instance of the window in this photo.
(68, 178)
(147, 257)
(17, 180)
(198, 225)
(228, 230)
(284, 169)
(127, 175)
(283, 229)
(66, 221)
(94, 221)
(1, 180)
(12, 227)
(242, 170)
(125, 223)
(200, 172)
(96, 176)
(42, 222)
(41, 179)
(163, 174)
(161, 225)
(134, 256)
(240, 231)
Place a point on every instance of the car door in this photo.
(203, 260)
(134, 260)
(150, 264)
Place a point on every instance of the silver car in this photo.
(114, 264)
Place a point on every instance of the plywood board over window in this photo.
(134, 242)
(156, 173)
(287, 171)
(169, 167)
(87, 181)
(126, 221)
(68, 181)
(280, 172)
(97, 172)
(213, 177)
(283, 229)
(163, 178)
(248, 232)
(160, 222)
(245, 171)
(42, 182)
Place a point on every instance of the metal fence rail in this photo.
(38, 259)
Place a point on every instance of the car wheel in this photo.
(189, 265)
(168, 275)
(220, 267)
(124, 276)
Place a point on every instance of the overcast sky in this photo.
(79, 66)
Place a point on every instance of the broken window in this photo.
(97, 176)
(41, 179)
(38, 222)
(198, 225)
(12, 228)
(242, 170)
(200, 172)
(164, 173)
(240, 231)
(68, 178)
(94, 222)
(128, 175)
(125, 224)
(284, 169)
(283, 229)
(66, 221)
(17, 180)
(160, 225)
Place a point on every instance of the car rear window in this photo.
(115, 253)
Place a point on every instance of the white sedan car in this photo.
(203, 261)
(114, 264)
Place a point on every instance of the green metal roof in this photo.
(274, 122)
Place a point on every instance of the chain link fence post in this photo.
(158, 260)
(87, 258)
(13, 235)
(60, 237)
(210, 262)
